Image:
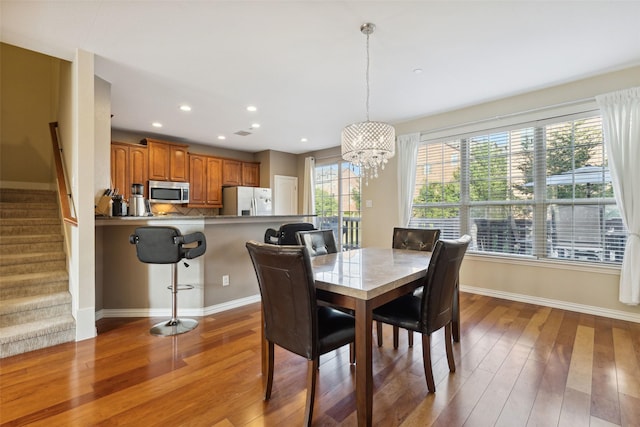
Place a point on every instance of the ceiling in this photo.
(302, 63)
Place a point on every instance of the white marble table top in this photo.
(368, 272)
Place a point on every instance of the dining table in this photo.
(361, 280)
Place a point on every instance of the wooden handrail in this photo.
(63, 195)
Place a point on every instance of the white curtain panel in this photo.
(407, 149)
(308, 192)
(621, 124)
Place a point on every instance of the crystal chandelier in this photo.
(368, 145)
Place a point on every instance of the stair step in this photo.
(19, 263)
(38, 307)
(20, 195)
(19, 258)
(24, 285)
(30, 243)
(35, 335)
(28, 210)
(13, 226)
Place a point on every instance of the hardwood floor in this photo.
(517, 365)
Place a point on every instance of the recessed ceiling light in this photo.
(303, 139)
(255, 125)
(156, 124)
(185, 108)
(251, 108)
(417, 70)
(221, 137)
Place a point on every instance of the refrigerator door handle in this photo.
(253, 206)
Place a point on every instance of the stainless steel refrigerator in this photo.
(243, 201)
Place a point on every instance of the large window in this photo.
(539, 190)
(337, 202)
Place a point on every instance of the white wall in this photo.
(76, 119)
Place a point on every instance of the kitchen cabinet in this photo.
(235, 172)
(168, 161)
(205, 181)
(129, 165)
(251, 174)
(231, 172)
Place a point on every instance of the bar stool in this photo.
(165, 245)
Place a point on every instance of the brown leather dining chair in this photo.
(292, 318)
(318, 242)
(415, 239)
(432, 310)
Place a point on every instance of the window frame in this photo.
(347, 233)
(539, 203)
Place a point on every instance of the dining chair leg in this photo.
(269, 383)
(396, 331)
(312, 368)
(456, 313)
(352, 353)
(426, 359)
(449, 346)
(410, 337)
(379, 333)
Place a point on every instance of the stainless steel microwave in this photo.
(168, 192)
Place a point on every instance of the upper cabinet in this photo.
(129, 166)
(231, 172)
(205, 178)
(251, 174)
(235, 172)
(168, 161)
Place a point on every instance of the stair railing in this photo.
(64, 195)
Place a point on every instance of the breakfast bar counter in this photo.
(126, 287)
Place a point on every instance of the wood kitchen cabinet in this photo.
(251, 174)
(231, 172)
(235, 172)
(168, 161)
(129, 165)
(205, 179)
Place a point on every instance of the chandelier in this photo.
(368, 145)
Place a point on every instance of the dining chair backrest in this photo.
(287, 288)
(440, 283)
(287, 232)
(417, 239)
(318, 242)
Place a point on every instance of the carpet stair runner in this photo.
(35, 303)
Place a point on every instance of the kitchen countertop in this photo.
(213, 220)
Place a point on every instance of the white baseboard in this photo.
(182, 312)
(580, 308)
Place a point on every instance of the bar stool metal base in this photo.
(173, 327)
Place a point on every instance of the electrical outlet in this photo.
(225, 280)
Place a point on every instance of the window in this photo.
(337, 202)
(540, 190)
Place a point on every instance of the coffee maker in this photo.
(138, 205)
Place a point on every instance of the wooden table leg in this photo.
(364, 372)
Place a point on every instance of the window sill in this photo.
(546, 263)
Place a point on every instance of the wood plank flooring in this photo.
(517, 365)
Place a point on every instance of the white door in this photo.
(285, 195)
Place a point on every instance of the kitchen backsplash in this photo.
(170, 209)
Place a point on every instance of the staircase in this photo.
(35, 304)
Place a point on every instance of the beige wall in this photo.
(576, 287)
(29, 98)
